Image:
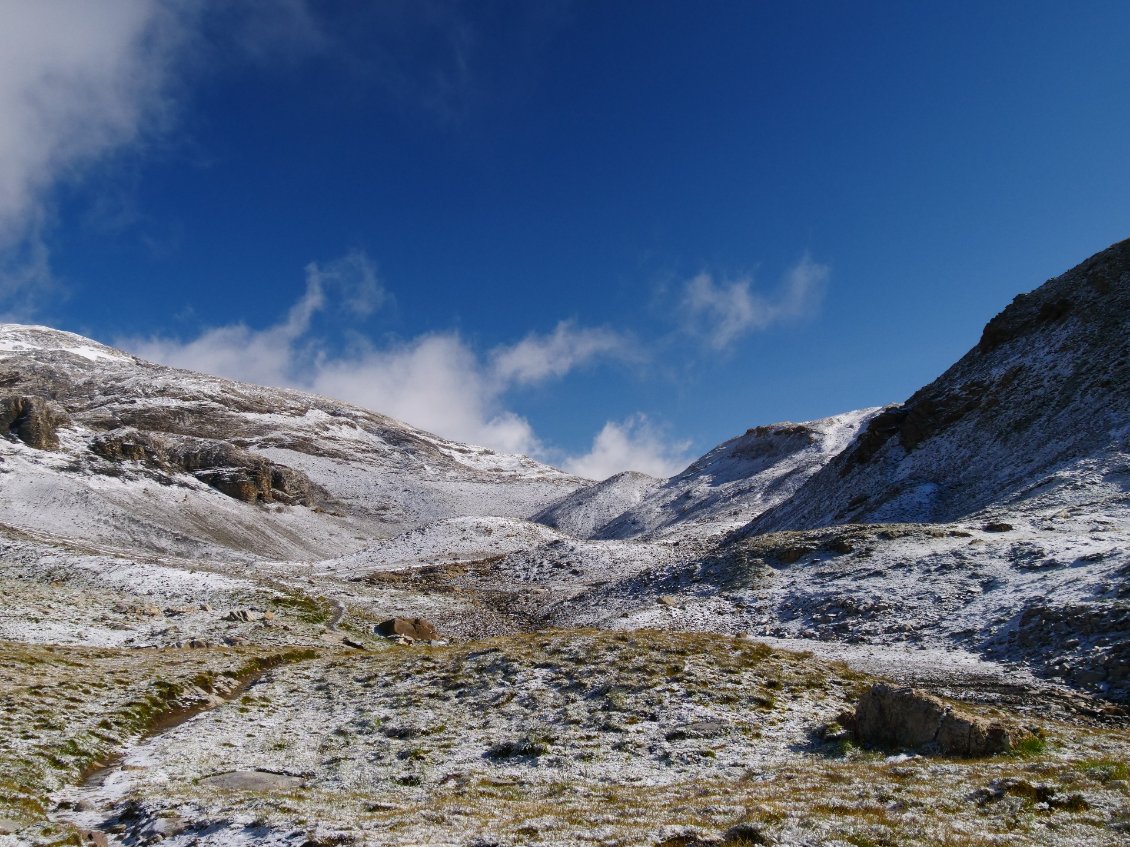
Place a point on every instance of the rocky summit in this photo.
(239, 615)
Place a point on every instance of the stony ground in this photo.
(559, 737)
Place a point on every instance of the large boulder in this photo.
(906, 718)
(32, 420)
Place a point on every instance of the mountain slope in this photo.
(113, 450)
(1040, 405)
(736, 481)
(584, 512)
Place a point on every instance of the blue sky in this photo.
(610, 234)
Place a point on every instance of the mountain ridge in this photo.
(1048, 384)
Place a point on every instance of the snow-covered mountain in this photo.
(737, 480)
(1039, 408)
(107, 449)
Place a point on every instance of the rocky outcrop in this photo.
(241, 474)
(32, 420)
(1086, 645)
(229, 469)
(906, 718)
(128, 444)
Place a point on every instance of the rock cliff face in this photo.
(33, 420)
(227, 468)
(1047, 387)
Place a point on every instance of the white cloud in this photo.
(722, 312)
(634, 444)
(353, 279)
(81, 81)
(436, 381)
(274, 355)
(538, 357)
(77, 80)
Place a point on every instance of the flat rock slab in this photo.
(253, 781)
(9, 826)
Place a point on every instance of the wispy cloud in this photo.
(539, 357)
(722, 312)
(436, 381)
(636, 444)
(81, 82)
(77, 81)
(279, 354)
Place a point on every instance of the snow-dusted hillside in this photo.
(726, 488)
(112, 450)
(1041, 403)
(587, 510)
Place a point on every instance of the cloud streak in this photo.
(720, 313)
(81, 82)
(539, 357)
(436, 381)
(77, 80)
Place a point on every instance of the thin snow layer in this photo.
(393, 497)
(21, 338)
(568, 738)
(1045, 586)
(584, 512)
(44, 493)
(491, 461)
(737, 480)
(55, 595)
(446, 542)
(405, 727)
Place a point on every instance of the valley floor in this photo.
(592, 692)
(547, 738)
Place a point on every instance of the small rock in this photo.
(667, 600)
(245, 615)
(997, 526)
(417, 629)
(193, 644)
(356, 645)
